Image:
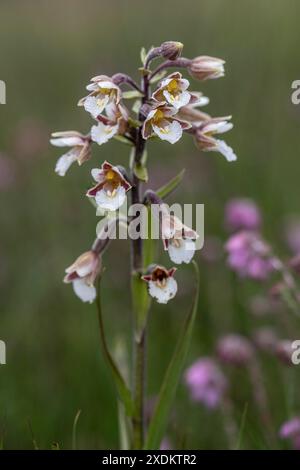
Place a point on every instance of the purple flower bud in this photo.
(206, 382)
(242, 214)
(235, 349)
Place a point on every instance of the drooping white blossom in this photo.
(80, 150)
(82, 274)
(161, 284)
(111, 188)
(204, 136)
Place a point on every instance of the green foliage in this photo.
(168, 389)
(169, 187)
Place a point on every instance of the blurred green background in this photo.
(48, 52)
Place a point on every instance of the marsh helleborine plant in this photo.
(164, 108)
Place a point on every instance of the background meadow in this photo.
(48, 52)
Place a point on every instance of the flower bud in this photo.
(205, 67)
(171, 49)
(82, 274)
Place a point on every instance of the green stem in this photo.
(138, 421)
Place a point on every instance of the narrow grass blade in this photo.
(123, 390)
(169, 386)
(168, 188)
(74, 430)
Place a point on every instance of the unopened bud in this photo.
(171, 49)
(205, 67)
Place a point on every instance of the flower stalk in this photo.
(139, 338)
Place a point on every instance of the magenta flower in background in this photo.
(206, 382)
(242, 214)
(291, 430)
(235, 349)
(249, 255)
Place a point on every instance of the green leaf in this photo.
(167, 392)
(55, 446)
(123, 140)
(123, 390)
(242, 427)
(74, 430)
(168, 188)
(124, 428)
(140, 169)
(134, 123)
(129, 95)
(141, 172)
(158, 76)
(143, 55)
(141, 301)
(136, 107)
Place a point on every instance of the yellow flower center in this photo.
(173, 87)
(159, 115)
(110, 175)
(106, 91)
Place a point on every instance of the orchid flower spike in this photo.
(80, 149)
(111, 188)
(161, 284)
(82, 274)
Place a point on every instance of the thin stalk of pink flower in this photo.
(230, 427)
(260, 397)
